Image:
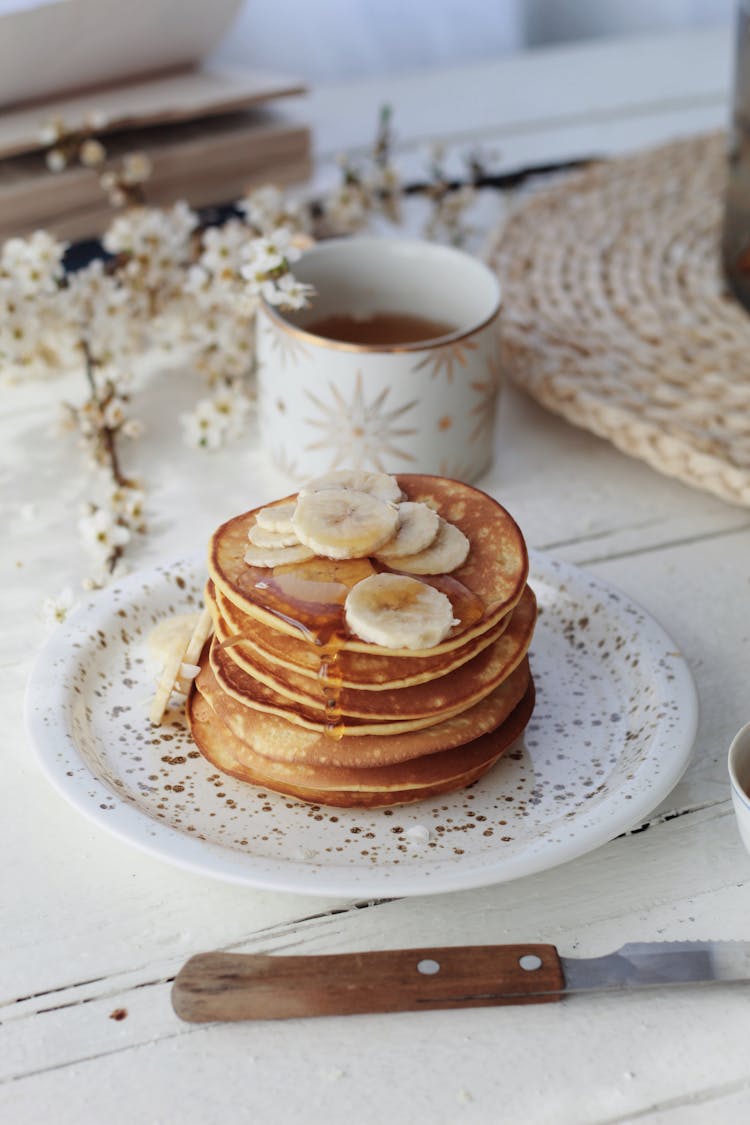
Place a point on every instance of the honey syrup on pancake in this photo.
(468, 607)
(316, 607)
(329, 671)
(311, 596)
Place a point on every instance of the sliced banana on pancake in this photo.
(395, 611)
(276, 517)
(417, 528)
(447, 552)
(277, 556)
(262, 537)
(380, 485)
(341, 523)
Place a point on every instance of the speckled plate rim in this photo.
(136, 827)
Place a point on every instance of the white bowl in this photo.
(739, 777)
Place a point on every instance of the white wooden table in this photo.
(89, 925)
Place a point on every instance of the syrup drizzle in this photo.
(314, 607)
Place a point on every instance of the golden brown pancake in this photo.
(371, 787)
(274, 737)
(369, 671)
(300, 699)
(290, 699)
(492, 577)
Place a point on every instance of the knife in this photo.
(251, 986)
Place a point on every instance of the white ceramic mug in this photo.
(425, 406)
(739, 778)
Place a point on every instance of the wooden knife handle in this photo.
(237, 986)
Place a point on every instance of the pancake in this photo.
(487, 585)
(300, 699)
(371, 787)
(257, 696)
(294, 694)
(370, 671)
(273, 737)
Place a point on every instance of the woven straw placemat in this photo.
(616, 314)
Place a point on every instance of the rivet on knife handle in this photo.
(236, 986)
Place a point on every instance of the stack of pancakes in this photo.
(289, 699)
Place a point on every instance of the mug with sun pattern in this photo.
(425, 405)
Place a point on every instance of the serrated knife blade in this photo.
(237, 986)
(656, 964)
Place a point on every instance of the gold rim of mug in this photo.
(342, 346)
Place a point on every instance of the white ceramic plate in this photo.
(611, 734)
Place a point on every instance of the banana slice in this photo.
(169, 635)
(278, 556)
(202, 631)
(447, 552)
(380, 485)
(396, 611)
(417, 528)
(278, 517)
(341, 523)
(185, 646)
(262, 537)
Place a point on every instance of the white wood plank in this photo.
(404, 1068)
(629, 1052)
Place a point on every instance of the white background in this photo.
(333, 39)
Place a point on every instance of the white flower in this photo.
(33, 265)
(233, 407)
(223, 342)
(113, 414)
(136, 168)
(133, 428)
(286, 291)
(262, 206)
(133, 506)
(158, 243)
(56, 160)
(54, 610)
(105, 312)
(291, 293)
(347, 207)
(224, 248)
(383, 179)
(87, 288)
(127, 502)
(271, 293)
(89, 418)
(51, 131)
(266, 209)
(18, 333)
(93, 153)
(95, 120)
(215, 420)
(264, 255)
(197, 281)
(102, 534)
(204, 428)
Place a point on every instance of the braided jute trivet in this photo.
(617, 316)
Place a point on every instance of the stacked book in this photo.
(210, 135)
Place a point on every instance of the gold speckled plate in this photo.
(611, 734)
